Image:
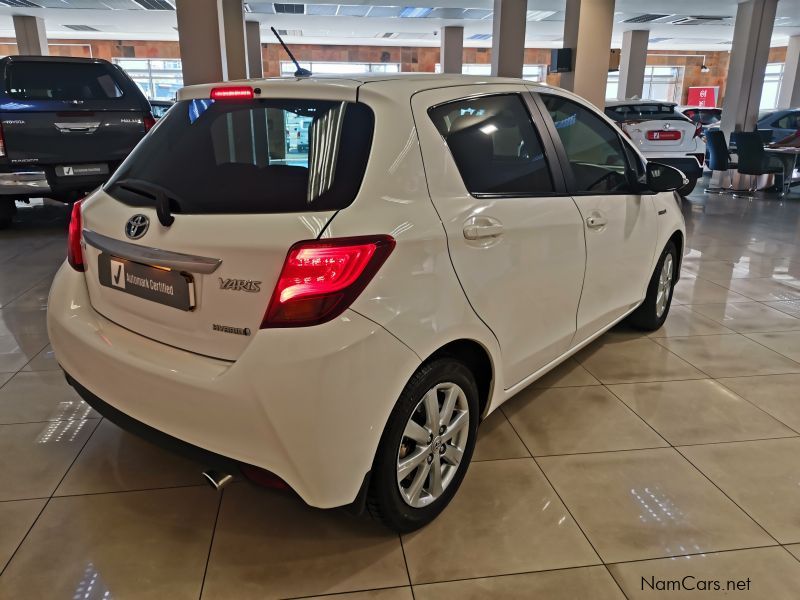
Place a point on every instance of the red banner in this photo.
(702, 96)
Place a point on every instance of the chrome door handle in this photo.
(478, 228)
(596, 221)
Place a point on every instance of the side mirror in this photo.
(663, 178)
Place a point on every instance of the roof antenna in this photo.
(301, 72)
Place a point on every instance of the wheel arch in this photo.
(677, 239)
(478, 359)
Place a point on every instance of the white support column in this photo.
(235, 47)
(790, 84)
(31, 35)
(749, 55)
(587, 30)
(632, 63)
(255, 59)
(201, 40)
(452, 50)
(508, 37)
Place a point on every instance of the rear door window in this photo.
(495, 145)
(30, 80)
(254, 156)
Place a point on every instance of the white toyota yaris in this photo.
(335, 279)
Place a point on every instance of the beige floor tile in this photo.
(146, 545)
(271, 545)
(682, 321)
(698, 412)
(630, 361)
(585, 582)
(745, 317)
(723, 251)
(648, 504)
(567, 374)
(35, 297)
(498, 440)
(35, 456)
(22, 322)
(700, 291)
(44, 361)
(782, 342)
(795, 550)
(115, 461)
(746, 268)
(577, 419)
(762, 477)
(772, 572)
(790, 307)
(766, 289)
(505, 519)
(776, 394)
(17, 351)
(4, 378)
(15, 520)
(403, 593)
(41, 396)
(729, 355)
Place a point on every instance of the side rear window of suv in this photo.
(495, 145)
(252, 156)
(31, 80)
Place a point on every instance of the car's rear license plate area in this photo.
(156, 284)
(655, 135)
(82, 170)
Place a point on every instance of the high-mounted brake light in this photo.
(320, 279)
(74, 250)
(149, 121)
(232, 93)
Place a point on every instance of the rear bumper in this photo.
(306, 404)
(23, 183)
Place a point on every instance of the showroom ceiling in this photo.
(674, 24)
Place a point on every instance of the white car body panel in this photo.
(310, 403)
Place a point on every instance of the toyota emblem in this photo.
(137, 226)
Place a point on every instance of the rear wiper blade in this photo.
(162, 197)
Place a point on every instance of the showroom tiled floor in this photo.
(644, 457)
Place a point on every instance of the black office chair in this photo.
(719, 161)
(753, 161)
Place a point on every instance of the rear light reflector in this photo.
(320, 279)
(663, 135)
(232, 93)
(149, 121)
(74, 249)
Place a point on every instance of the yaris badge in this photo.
(137, 226)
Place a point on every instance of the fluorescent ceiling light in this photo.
(540, 15)
(415, 12)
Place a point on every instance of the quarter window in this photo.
(594, 149)
(495, 145)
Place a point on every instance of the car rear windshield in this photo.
(644, 112)
(29, 80)
(251, 156)
(704, 116)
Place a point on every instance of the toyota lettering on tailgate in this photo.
(663, 135)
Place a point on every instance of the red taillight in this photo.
(320, 279)
(698, 130)
(2, 142)
(242, 92)
(74, 250)
(149, 121)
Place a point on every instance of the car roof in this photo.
(405, 83)
(611, 102)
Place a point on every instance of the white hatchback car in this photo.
(344, 317)
(663, 134)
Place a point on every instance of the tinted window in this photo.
(61, 81)
(703, 116)
(644, 112)
(494, 144)
(790, 121)
(259, 156)
(594, 149)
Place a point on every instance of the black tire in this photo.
(646, 317)
(384, 500)
(7, 211)
(688, 188)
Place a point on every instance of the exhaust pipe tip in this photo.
(216, 479)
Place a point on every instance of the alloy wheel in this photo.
(664, 286)
(432, 445)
